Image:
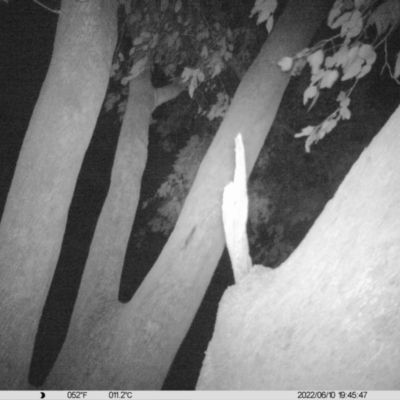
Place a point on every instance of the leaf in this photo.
(186, 74)
(309, 93)
(126, 79)
(335, 12)
(353, 26)
(315, 60)
(364, 71)
(217, 69)
(326, 127)
(310, 140)
(307, 131)
(345, 113)
(178, 6)
(313, 101)
(194, 75)
(257, 7)
(121, 108)
(367, 53)
(265, 9)
(111, 99)
(329, 78)
(341, 20)
(315, 78)
(204, 51)
(343, 100)
(352, 70)
(352, 55)
(138, 41)
(220, 108)
(264, 15)
(342, 56)
(285, 63)
(200, 75)
(330, 61)
(298, 66)
(138, 68)
(342, 97)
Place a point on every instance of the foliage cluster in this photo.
(362, 26)
(193, 41)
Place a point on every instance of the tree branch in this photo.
(234, 215)
(47, 8)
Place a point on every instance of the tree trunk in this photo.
(35, 214)
(328, 318)
(134, 346)
(98, 294)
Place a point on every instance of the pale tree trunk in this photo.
(35, 214)
(97, 302)
(98, 294)
(329, 317)
(132, 347)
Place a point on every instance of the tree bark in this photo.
(98, 294)
(35, 214)
(134, 346)
(328, 318)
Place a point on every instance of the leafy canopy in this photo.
(362, 26)
(193, 41)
